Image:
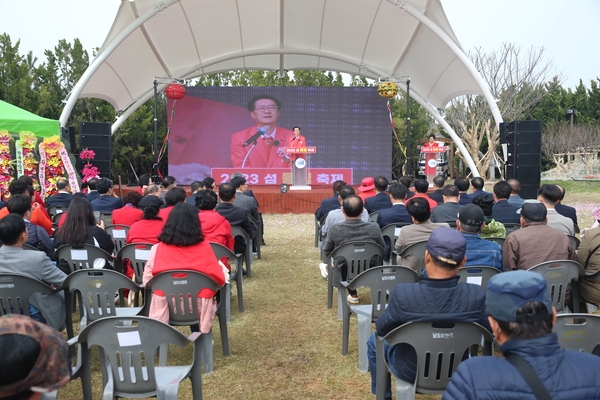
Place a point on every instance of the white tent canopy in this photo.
(190, 38)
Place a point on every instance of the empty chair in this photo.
(128, 367)
(96, 289)
(81, 256)
(237, 231)
(181, 290)
(439, 347)
(358, 257)
(477, 275)
(220, 252)
(559, 274)
(381, 282)
(579, 332)
(418, 251)
(118, 233)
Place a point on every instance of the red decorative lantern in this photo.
(175, 91)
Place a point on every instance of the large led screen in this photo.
(213, 133)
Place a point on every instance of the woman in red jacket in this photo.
(129, 213)
(150, 226)
(215, 228)
(182, 239)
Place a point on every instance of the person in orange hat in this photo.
(367, 188)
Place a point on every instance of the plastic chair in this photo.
(391, 232)
(55, 219)
(96, 289)
(417, 250)
(381, 281)
(559, 274)
(137, 254)
(511, 227)
(118, 233)
(181, 289)
(81, 256)
(373, 216)
(29, 247)
(575, 242)
(498, 240)
(477, 275)
(358, 256)
(579, 332)
(220, 252)
(15, 291)
(128, 367)
(56, 210)
(257, 239)
(237, 231)
(439, 347)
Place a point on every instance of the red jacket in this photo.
(432, 203)
(216, 228)
(262, 155)
(145, 231)
(127, 215)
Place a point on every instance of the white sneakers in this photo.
(324, 272)
(352, 300)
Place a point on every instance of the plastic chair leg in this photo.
(223, 328)
(404, 390)
(329, 288)
(341, 298)
(345, 327)
(382, 370)
(226, 302)
(239, 279)
(207, 352)
(162, 354)
(364, 331)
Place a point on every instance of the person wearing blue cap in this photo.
(435, 298)
(521, 315)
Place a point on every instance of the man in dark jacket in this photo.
(438, 184)
(521, 315)
(567, 211)
(463, 185)
(437, 297)
(503, 211)
(381, 200)
(448, 211)
(108, 200)
(63, 197)
(330, 203)
(237, 216)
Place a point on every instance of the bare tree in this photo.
(565, 144)
(516, 79)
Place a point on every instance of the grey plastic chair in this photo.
(358, 256)
(81, 256)
(29, 247)
(137, 254)
(511, 227)
(381, 282)
(181, 290)
(56, 210)
(498, 240)
(15, 291)
(220, 252)
(579, 332)
(477, 275)
(257, 239)
(439, 347)
(373, 216)
(128, 367)
(55, 219)
(559, 274)
(574, 241)
(417, 250)
(237, 231)
(391, 232)
(95, 289)
(118, 233)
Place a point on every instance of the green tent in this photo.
(15, 119)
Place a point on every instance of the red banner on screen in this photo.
(274, 176)
(434, 149)
(294, 150)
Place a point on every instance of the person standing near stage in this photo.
(261, 145)
(297, 141)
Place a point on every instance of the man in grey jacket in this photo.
(33, 264)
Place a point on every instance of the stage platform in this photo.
(272, 201)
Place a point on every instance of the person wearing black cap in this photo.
(437, 297)
(480, 252)
(535, 242)
(521, 316)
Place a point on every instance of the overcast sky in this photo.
(568, 30)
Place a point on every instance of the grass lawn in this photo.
(287, 345)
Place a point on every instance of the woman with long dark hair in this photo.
(182, 240)
(150, 226)
(80, 227)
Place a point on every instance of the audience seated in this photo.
(567, 211)
(195, 188)
(237, 216)
(35, 358)
(330, 203)
(395, 214)
(421, 188)
(478, 187)
(381, 200)
(129, 213)
(173, 197)
(549, 195)
(47, 308)
(38, 215)
(337, 216)
(143, 182)
(418, 232)
(37, 198)
(80, 228)
(492, 227)
(589, 256)
(63, 197)
(167, 184)
(108, 200)
(215, 228)
(366, 188)
(352, 229)
(92, 193)
(438, 184)
(437, 297)
(463, 185)
(521, 316)
(37, 237)
(209, 183)
(150, 226)
(182, 246)
(407, 181)
(242, 199)
(503, 211)
(448, 211)
(535, 242)
(480, 252)
(514, 198)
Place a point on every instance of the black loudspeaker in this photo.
(96, 136)
(67, 135)
(524, 142)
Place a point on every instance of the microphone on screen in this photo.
(261, 131)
